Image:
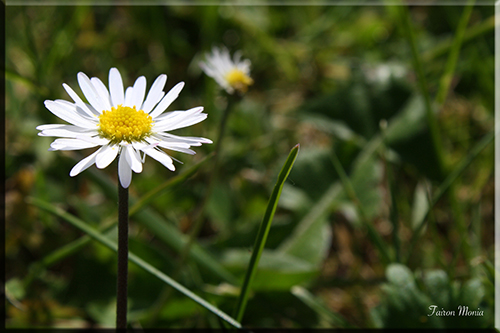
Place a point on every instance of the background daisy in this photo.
(230, 74)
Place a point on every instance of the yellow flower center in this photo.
(124, 123)
(238, 80)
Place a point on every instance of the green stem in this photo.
(122, 276)
(198, 218)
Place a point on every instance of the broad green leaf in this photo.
(294, 199)
(276, 270)
(366, 179)
(318, 212)
(313, 244)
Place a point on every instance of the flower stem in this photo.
(199, 213)
(122, 278)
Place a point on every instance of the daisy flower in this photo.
(123, 123)
(230, 74)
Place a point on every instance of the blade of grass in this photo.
(477, 30)
(264, 228)
(406, 22)
(444, 84)
(333, 318)
(132, 257)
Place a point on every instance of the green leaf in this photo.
(318, 212)
(276, 270)
(420, 204)
(400, 275)
(312, 245)
(408, 304)
(294, 199)
(438, 287)
(263, 232)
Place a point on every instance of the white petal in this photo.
(67, 132)
(155, 93)
(138, 92)
(94, 139)
(167, 100)
(102, 91)
(172, 143)
(84, 164)
(133, 158)
(116, 87)
(142, 146)
(73, 128)
(68, 113)
(124, 171)
(128, 97)
(179, 149)
(106, 156)
(191, 140)
(161, 157)
(90, 111)
(78, 110)
(90, 92)
(176, 116)
(70, 144)
(190, 117)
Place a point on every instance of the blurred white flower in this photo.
(382, 74)
(123, 123)
(230, 74)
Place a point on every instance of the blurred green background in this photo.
(356, 86)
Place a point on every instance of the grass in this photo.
(393, 110)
